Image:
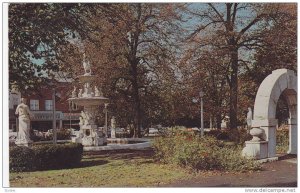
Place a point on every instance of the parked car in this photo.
(152, 132)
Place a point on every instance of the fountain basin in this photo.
(126, 140)
(133, 143)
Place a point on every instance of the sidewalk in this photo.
(281, 173)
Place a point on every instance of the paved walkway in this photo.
(282, 173)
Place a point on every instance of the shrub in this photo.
(45, 156)
(122, 135)
(168, 131)
(21, 159)
(218, 134)
(282, 140)
(238, 136)
(62, 134)
(51, 156)
(191, 151)
(229, 158)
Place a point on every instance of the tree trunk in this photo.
(136, 101)
(233, 89)
(218, 121)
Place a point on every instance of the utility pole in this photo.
(202, 124)
(54, 117)
(106, 111)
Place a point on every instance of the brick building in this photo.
(41, 106)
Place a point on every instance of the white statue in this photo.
(86, 66)
(88, 89)
(84, 118)
(113, 127)
(23, 137)
(74, 92)
(80, 93)
(98, 92)
(87, 119)
(113, 122)
(85, 90)
(81, 121)
(249, 118)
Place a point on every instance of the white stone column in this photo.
(292, 136)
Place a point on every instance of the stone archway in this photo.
(281, 81)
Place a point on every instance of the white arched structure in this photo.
(281, 81)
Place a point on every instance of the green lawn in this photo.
(131, 169)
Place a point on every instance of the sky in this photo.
(190, 25)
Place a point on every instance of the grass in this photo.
(129, 169)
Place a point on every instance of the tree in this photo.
(204, 69)
(278, 50)
(38, 34)
(139, 54)
(279, 47)
(240, 26)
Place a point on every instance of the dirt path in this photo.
(281, 173)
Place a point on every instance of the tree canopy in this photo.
(153, 59)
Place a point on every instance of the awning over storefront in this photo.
(72, 116)
(45, 115)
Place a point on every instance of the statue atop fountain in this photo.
(86, 66)
(74, 92)
(98, 92)
(90, 134)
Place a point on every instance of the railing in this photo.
(45, 115)
(48, 116)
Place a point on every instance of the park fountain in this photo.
(90, 99)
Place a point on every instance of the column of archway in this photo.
(291, 98)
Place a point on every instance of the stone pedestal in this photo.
(76, 139)
(92, 136)
(256, 149)
(113, 133)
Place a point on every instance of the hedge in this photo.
(45, 157)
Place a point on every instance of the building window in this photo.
(48, 105)
(34, 105)
(72, 106)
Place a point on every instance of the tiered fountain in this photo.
(90, 99)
